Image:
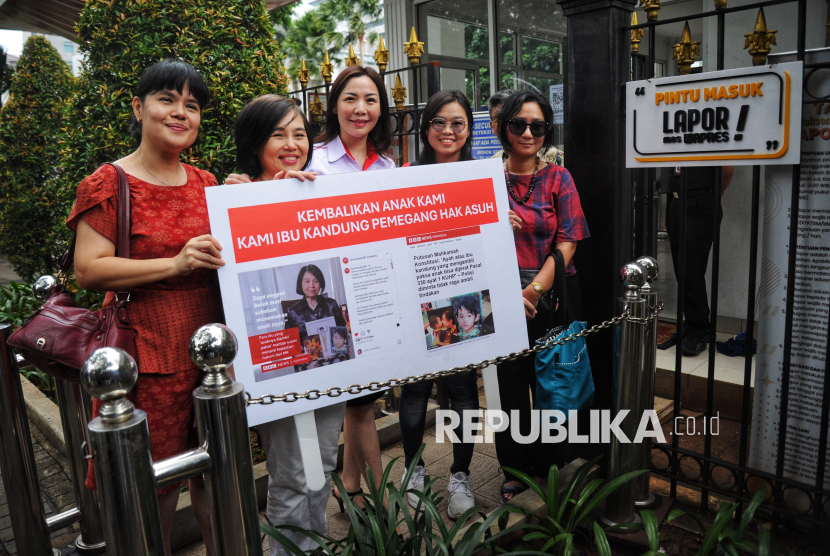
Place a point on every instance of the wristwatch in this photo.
(537, 287)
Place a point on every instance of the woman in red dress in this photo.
(172, 269)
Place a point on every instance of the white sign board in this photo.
(735, 117)
(356, 278)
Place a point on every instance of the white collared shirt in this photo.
(334, 158)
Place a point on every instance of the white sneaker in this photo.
(416, 482)
(461, 495)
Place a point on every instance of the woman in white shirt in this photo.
(356, 138)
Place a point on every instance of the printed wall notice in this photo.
(732, 117)
(811, 300)
(348, 280)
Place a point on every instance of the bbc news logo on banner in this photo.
(553, 426)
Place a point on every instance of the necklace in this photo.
(513, 195)
(155, 176)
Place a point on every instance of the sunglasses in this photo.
(518, 127)
(439, 124)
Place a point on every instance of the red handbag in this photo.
(60, 335)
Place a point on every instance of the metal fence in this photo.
(702, 470)
(423, 80)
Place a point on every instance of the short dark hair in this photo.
(315, 271)
(255, 124)
(433, 106)
(169, 74)
(433, 320)
(341, 331)
(448, 314)
(470, 302)
(497, 98)
(381, 134)
(513, 105)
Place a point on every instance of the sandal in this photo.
(514, 490)
(351, 495)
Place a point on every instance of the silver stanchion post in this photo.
(223, 429)
(120, 443)
(645, 499)
(17, 460)
(619, 507)
(76, 412)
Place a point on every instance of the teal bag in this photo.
(563, 372)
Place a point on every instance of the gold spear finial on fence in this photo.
(303, 74)
(413, 48)
(381, 56)
(398, 93)
(316, 107)
(636, 34)
(720, 4)
(352, 59)
(651, 8)
(326, 68)
(758, 42)
(685, 51)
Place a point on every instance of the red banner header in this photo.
(280, 229)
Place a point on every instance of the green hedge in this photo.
(230, 42)
(30, 156)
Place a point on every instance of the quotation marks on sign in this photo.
(772, 145)
(640, 91)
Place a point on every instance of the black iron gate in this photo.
(701, 469)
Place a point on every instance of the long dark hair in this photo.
(169, 74)
(513, 105)
(256, 123)
(381, 134)
(434, 105)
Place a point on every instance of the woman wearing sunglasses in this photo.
(544, 197)
(446, 137)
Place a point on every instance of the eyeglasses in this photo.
(440, 124)
(518, 127)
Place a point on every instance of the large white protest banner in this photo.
(355, 278)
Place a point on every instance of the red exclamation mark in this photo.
(741, 122)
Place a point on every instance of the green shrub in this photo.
(231, 44)
(30, 145)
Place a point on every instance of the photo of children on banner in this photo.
(459, 318)
(305, 297)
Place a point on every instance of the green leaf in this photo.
(756, 501)
(601, 540)
(651, 527)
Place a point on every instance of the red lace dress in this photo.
(164, 314)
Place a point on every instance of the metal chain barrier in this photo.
(336, 391)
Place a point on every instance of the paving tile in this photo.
(432, 452)
(492, 489)
(6, 534)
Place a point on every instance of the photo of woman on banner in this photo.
(273, 141)
(314, 312)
